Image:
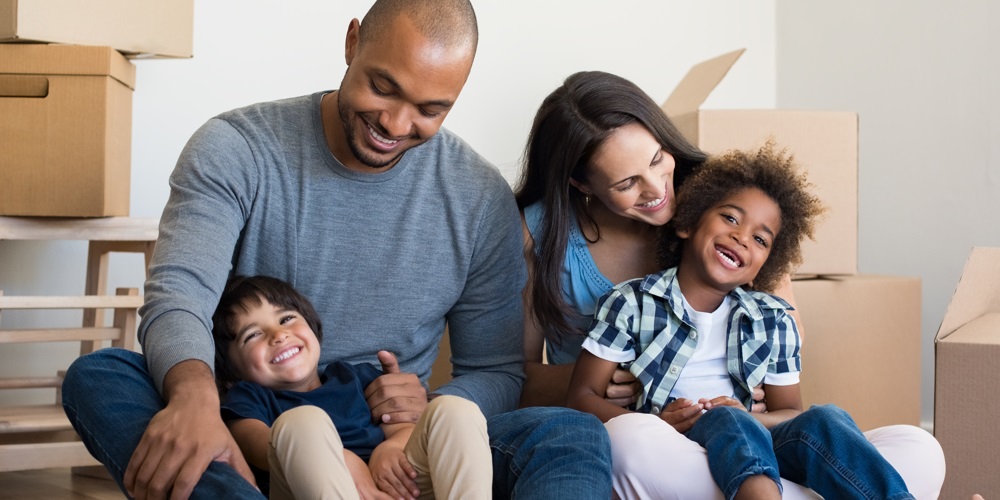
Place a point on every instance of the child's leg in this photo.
(642, 470)
(306, 457)
(738, 448)
(823, 448)
(450, 450)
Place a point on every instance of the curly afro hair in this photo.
(773, 172)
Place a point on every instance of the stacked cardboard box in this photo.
(861, 334)
(967, 372)
(66, 110)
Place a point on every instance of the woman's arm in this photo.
(253, 437)
(784, 402)
(545, 384)
(588, 384)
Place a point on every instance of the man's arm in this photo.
(198, 233)
(486, 326)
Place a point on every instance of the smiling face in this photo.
(397, 91)
(632, 176)
(274, 347)
(730, 243)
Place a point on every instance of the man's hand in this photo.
(623, 389)
(682, 414)
(395, 397)
(183, 438)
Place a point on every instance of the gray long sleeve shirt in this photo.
(386, 258)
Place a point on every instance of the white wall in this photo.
(924, 77)
(253, 50)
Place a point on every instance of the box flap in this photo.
(52, 59)
(699, 82)
(978, 291)
(983, 330)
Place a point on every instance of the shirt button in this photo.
(693, 335)
(673, 370)
(655, 410)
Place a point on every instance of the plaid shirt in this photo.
(645, 319)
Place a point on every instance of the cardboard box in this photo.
(65, 130)
(861, 346)
(161, 28)
(967, 380)
(825, 143)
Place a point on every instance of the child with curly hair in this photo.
(699, 339)
(314, 433)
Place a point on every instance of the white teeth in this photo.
(379, 138)
(651, 204)
(727, 258)
(285, 355)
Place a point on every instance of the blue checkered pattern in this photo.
(646, 316)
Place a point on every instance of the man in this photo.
(391, 226)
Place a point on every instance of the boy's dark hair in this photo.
(240, 294)
(773, 172)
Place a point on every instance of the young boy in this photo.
(313, 433)
(699, 342)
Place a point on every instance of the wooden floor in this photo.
(56, 484)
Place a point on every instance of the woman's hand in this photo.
(759, 403)
(681, 414)
(623, 389)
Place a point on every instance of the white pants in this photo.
(652, 460)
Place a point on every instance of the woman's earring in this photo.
(586, 199)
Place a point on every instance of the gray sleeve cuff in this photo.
(174, 337)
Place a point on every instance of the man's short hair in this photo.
(449, 22)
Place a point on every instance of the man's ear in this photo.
(353, 39)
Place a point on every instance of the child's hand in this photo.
(682, 414)
(392, 472)
(362, 477)
(721, 401)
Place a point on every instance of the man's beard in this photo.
(362, 156)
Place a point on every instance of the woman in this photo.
(602, 162)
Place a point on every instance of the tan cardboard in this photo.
(861, 346)
(967, 380)
(65, 130)
(825, 143)
(160, 28)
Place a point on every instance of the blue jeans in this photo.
(821, 448)
(548, 453)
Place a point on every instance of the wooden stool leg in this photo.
(96, 284)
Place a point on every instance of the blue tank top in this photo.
(582, 284)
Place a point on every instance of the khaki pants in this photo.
(449, 449)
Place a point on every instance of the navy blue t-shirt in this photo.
(342, 396)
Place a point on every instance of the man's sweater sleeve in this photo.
(210, 196)
(486, 326)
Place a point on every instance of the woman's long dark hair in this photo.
(571, 124)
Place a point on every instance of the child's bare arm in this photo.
(588, 384)
(391, 471)
(252, 436)
(362, 478)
